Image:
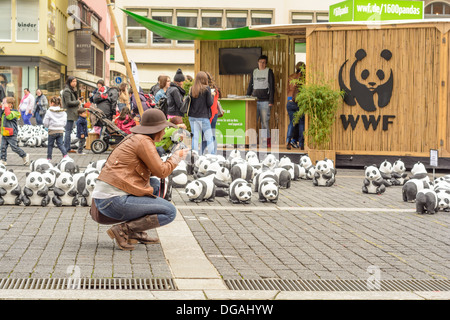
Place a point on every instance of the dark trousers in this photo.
(68, 131)
(10, 141)
(58, 137)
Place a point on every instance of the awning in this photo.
(87, 83)
(172, 32)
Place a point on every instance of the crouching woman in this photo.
(124, 195)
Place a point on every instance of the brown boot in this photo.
(138, 226)
(120, 232)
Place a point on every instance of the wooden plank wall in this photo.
(416, 54)
(276, 49)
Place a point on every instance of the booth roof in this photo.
(172, 32)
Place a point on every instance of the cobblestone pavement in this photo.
(311, 233)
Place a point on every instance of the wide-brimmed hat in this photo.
(153, 121)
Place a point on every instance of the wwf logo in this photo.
(363, 92)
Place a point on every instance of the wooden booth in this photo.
(396, 78)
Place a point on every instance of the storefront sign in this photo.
(83, 49)
(376, 10)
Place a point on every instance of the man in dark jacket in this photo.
(175, 95)
(106, 100)
(262, 86)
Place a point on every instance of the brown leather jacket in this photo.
(131, 164)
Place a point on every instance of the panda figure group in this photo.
(238, 177)
(35, 136)
(59, 184)
(429, 196)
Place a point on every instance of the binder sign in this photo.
(434, 155)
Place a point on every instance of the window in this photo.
(321, 17)
(163, 16)
(99, 63)
(437, 10)
(236, 19)
(261, 17)
(5, 20)
(302, 17)
(136, 33)
(95, 24)
(212, 19)
(27, 21)
(188, 19)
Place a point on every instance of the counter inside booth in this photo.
(239, 117)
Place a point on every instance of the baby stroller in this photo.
(110, 134)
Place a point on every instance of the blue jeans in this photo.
(291, 109)
(26, 117)
(10, 141)
(199, 126)
(58, 137)
(68, 130)
(38, 117)
(263, 115)
(213, 128)
(126, 208)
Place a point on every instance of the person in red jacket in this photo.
(125, 120)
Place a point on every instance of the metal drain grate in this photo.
(87, 284)
(338, 285)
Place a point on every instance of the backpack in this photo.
(162, 105)
(149, 100)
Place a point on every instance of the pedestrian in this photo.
(262, 86)
(124, 193)
(175, 95)
(164, 84)
(55, 120)
(40, 107)
(155, 88)
(200, 112)
(292, 108)
(214, 111)
(125, 120)
(82, 129)
(9, 129)
(26, 106)
(124, 97)
(70, 104)
(3, 83)
(106, 100)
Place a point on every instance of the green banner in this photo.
(376, 10)
(230, 128)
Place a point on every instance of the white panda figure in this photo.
(202, 189)
(386, 172)
(324, 174)
(284, 178)
(179, 175)
(67, 164)
(40, 165)
(373, 182)
(399, 175)
(284, 161)
(443, 199)
(268, 190)
(412, 187)
(222, 178)
(10, 190)
(242, 171)
(419, 171)
(251, 155)
(260, 176)
(270, 161)
(235, 153)
(97, 165)
(65, 191)
(240, 191)
(427, 202)
(305, 162)
(35, 191)
(49, 178)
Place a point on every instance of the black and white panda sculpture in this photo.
(202, 189)
(260, 176)
(10, 190)
(324, 174)
(373, 181)
(305, 162)
(268, 190)
(179, 175)
(65, 191)
(427, 202)
(35, 191)
(40, 165)
(386, 172)
(412, 187)
(240, 191)
(67, 164)
(399, 175)
(242, 171)
(419, 171)
(443, 199)
(85, 184)
(284, 178)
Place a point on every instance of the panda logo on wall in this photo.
(363, 92)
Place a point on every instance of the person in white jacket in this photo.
(55, 120)
(26, 106)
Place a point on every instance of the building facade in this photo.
(33, 45)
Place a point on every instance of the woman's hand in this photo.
(182, 153)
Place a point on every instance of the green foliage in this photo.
(320, 102)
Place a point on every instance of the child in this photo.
(9, 115)
(125, 121)
(55, 120)
(82, 129)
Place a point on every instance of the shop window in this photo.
(261, 17)
(27, 21)
(136, 33)
(163, 16)
(212, 19)
(188, 19)
(5, 20)
(236, 19)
